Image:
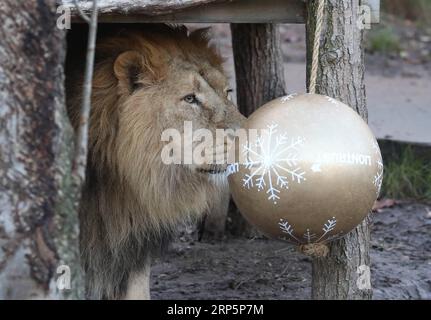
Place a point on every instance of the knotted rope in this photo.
(314, 250)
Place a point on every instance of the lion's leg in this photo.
(138, 285)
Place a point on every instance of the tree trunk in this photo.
(38, 220)
(259, 78)
(341, 76)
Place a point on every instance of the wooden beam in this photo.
(131, 7)
(206, 11)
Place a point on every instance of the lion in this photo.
(147, 78)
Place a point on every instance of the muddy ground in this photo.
(267, 269)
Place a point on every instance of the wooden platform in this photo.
(208, 11)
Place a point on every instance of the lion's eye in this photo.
(190, 98)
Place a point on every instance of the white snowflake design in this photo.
(378, 177)
(267, 160)
(328, 227)
(331, 100)
(309, 236)
(287, 228)
(232, 168)
(289, 97)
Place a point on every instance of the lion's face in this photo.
(149, 79)
(192, 92)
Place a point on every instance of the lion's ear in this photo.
(201, 36)
(129, 68)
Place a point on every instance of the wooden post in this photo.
(344, 273)
(259, 78)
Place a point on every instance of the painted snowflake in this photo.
(378, 177)
(273, 163)
(331, 100)
(289, 97)
(309, 236)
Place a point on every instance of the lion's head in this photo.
(147, 81)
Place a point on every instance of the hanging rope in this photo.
(316, 45)
(315, 250)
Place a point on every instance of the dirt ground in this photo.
(267, 269)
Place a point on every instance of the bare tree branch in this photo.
(81, 13)
(81, 144)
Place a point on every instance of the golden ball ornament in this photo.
(309, 169)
